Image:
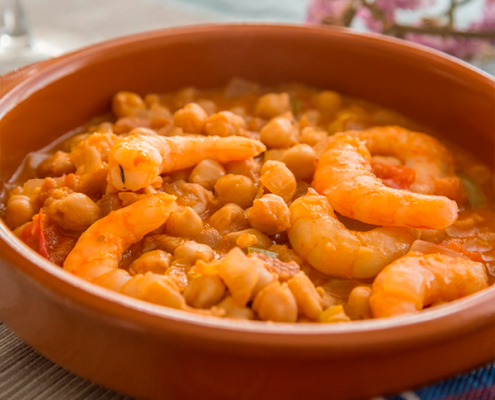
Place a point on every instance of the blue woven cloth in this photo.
(475, 385)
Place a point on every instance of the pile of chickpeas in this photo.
(223, 207)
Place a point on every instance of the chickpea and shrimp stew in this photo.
(283, 204)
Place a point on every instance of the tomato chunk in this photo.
(394, 176)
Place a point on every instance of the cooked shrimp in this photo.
(137, 160)
(344, 175)
(418, 280)
(322, 240)
(419, 151)
(100, 248)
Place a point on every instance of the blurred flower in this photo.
(329, 12)
(369, 20)
(439, 32)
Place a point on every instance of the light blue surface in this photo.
(252, 10)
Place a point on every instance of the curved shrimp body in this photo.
(100, 248)
(321, 239)
(418, 280)
(137, 160)
(419, 151)
(344, 175)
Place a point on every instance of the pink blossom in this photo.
(371, 23)
(410, 4)
(379, 12)
(320, 10)
(487, 22)
(388, 7)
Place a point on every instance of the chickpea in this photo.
(239, 110)
(311, 136)
(272, 104)
(206, 173)
(128, 198)
(156, 261)
(126, 104)
(191, 195)
(157, 110)
(114, 280)
(301, 160)
(57, 164)
(309, 118)
(307, 298)
(170, 130)
(75, 212)
(278, 179)
(269, 214)
(180, 174)
(246, 239)
(273, 154)
(76, 140)
(192, 118)
(279, 133)
(209, 236)
(232, 310)
(237, 189)
(103, 142)
(205, 291)
(132, 287)
(127, 124)
(250, 168)
(162, 242)
(152, 98)
(162, 290)
(185, 96)
(263, 242)
(191, 251)
(208, 105)
(276, 303)
(225, 123)
(185, 223)
(109, 203)
(358, 305)
(104, 127)
(328, 101)
(229, 218)
(86, 159)
(434, 235)
(19, 210)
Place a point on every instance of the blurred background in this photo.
(35, 29)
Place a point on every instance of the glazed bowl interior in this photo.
(433, 89)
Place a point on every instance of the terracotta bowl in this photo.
(153, 352)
